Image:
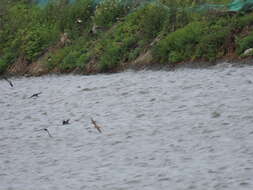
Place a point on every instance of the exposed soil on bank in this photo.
(145, 61)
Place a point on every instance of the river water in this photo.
(161, 130)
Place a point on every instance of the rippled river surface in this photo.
(177, 130)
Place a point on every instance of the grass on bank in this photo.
(116, 32)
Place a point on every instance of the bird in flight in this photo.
(65, 122)
(95, 125)
(10, 83)
(35, 95)
(45, 129)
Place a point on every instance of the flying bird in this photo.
(95, 125)
(48, 132)
(35, 95)
(65, 122)
(10, 83)
(45, 129)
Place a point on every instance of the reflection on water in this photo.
(186, 129)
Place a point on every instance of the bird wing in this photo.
(10, 83)
(96, 126)
(49, 134)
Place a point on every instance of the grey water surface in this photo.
(162, 130)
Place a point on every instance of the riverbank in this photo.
(111, 37)
(39, 69)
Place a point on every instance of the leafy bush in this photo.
(21, 16)
(36, 39)
(108, 12)
(241, 21)
(134, 54)
(245, 20)
(56, 58)
(147, 21)
(25, 35)
(76, 17)
(212, 44)
(82, 60)
(151, 20)
(10, 55)
(244, 43)
(3, 65)
(207, 40)
(178, 14)
(122, 43)
(70, 61)
(111, 57)
(179, 45)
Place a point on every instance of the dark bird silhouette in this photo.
(45, 129)
(10, 83)
(35, 95)
(48, 132)
(95, 125)
(65, 122)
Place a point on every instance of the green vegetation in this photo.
(102, 36)
(127, 39)
(244, 43)
(108, 12)
(3, 65)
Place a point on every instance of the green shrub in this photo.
(212, 44)
(126, 40)
(111, 57)
(179, 14)
(76, 17)
(179, 45)
(151, 19)
(245, 20)
(24, 34)
(21, 16)
(244, 43)
(109, 12)
(82, 60)
(10, 55)
(207, 40)
(70, 61)
(56, 58)
(36, 40)
(147, 21)
(3, 65)
(134, 54)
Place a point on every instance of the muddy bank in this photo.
(145, 61)
(38, 69)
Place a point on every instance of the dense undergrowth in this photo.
(85, 34)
